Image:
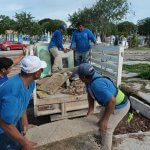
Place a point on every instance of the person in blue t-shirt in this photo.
(116, 104)
(56, 47)
(15, 95)
(81, 43)
(6, 65)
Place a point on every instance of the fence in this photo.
(108, 61)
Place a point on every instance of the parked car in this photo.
(11, 45)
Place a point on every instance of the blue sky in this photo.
(59, 9)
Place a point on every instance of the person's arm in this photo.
(91, 105)
(25, 123)
(17, 60)
(73, 41)
(110, 106)
(92, 37)
(12, 131)
(59, 40)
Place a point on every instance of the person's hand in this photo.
(25, 128)
(65, 50)
(95, 43)
(90, 112)
(24, 51)
(28, 145)
(103, 125)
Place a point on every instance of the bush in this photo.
(134, 41)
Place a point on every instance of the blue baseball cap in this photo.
(86, 69)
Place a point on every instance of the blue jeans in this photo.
(81, 57)
(6, 143)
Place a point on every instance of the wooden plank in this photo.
(105, 57)
(71, 106)
(106, 73)
(63, 109)
(72, 114)
(119, 70)
(60, 98)
(46, 112)
(42, 81)
(53, 83)
(105, 64)
(106, 48)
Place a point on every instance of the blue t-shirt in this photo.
(80, 40)
(14, 99)
(56, 40)
(3, 79)
(103, 89)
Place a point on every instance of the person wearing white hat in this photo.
(15, 95)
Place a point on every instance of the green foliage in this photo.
(101, 15)
(127, 28)
(35, 29)
(24, 22)
(6, 24)
(142, 69)
(144, 28)
(50, 25)
(134, 41)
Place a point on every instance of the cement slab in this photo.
(137, 141)
(129, 74)
(61, 130)
(74, 135)
(145, 96)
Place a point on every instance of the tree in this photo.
(6, 24)
(101, 15)
(127, 28)
(144, 28)
(24, 22)
(35, 29)
(50, 25)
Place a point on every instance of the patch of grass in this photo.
(145, 75)
(142, 69)
(140, 48)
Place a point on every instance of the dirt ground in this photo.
(139, 123)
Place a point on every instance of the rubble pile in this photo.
(76, 88)
(59, 83)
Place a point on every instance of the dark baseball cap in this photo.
(62, 27)
(79, 23)
(86, 69)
